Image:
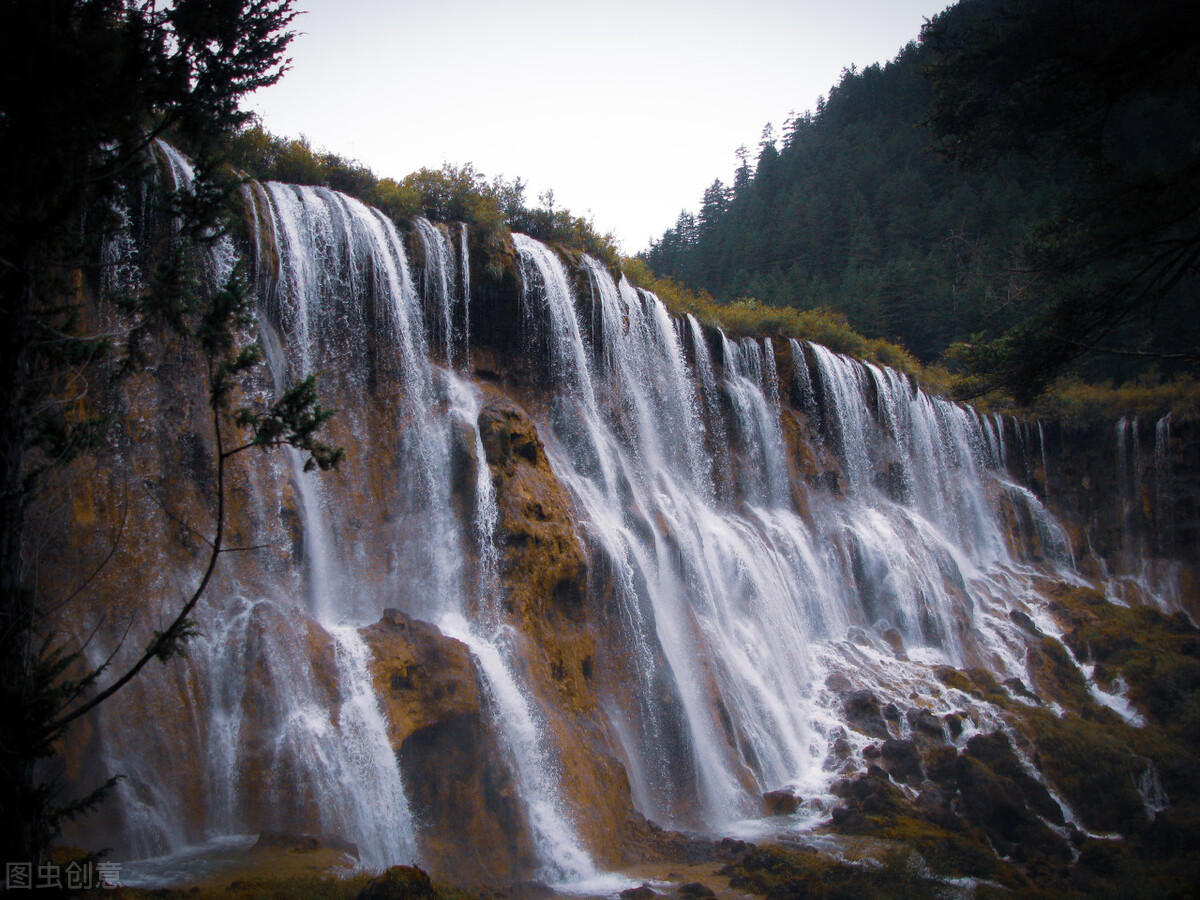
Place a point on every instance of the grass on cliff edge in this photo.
(1148, 397)
(1068, 399)
(750, 318)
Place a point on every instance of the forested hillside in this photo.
(931, 229)
(851, 212)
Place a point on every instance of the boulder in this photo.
(902, 761)
(862, 713)
(780, 803)
(455, 770)
(923, 722)
(399, 883)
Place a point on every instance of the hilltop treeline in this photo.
(457, 193)
(849, 211)
(1017, 192)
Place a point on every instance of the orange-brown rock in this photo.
(545, 574)
(473, 823)
(544, 560)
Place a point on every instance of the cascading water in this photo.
(723, 605)
(732, 580)
(1164, 485)
(442, 294)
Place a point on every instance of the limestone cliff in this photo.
(590, 567)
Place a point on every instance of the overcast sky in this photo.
(627, 110)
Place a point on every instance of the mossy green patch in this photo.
(791, 874)
(979, 683)
(1093, 767)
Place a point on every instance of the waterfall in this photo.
(563, 858)
(721, 605)
(743, 544)
(756, 420)
(464, 263)
(441, 293)
(1164, 486)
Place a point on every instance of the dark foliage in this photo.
(1061, 217)
(449, 194)
(1107, 94)
(85, 88)
(853, 214)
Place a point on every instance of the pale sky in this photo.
(627, 110)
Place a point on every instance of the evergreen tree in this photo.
(1108, 95)
(85, 88)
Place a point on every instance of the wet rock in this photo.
(1017, 687)
(838, 683)
(923, 722)
(303, 843)
(453, 767)
(871, 794)
(642, 892)
(997, 804)
(859, 637)
(891, 712)
(895, 640)
(902, 761)
(941, 764)
(544, 561)
(954, 723)
(399, 883)
(934, 799)
(839, 751)
(732, 848)
(780, 803)
(937, 805)
(531, 890)
(694, 890)
(862, 713)
(997, 753)
(1022, 619)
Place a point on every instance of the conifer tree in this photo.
(86, 86)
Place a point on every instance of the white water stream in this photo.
(732, 579)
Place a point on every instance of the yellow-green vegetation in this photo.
(1149, 397)
(750, 318)
(878, 810)
(981, 814)
(1098, 761)
(1070, 399)
(976, 682)
(784, 873)
(451, 193)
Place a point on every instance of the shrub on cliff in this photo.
(458, 193)
(750, 318)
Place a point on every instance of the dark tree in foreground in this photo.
(86, 86)
(1107, 92)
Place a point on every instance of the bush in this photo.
(750, 318)
(449, 194)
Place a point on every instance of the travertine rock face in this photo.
(545, 585)
(459, 785)
(236, 735)
(1129, 494)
